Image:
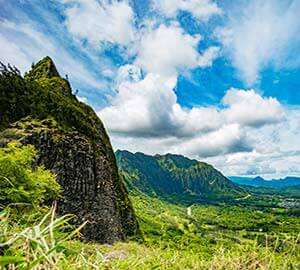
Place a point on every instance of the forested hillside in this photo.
(174, 175)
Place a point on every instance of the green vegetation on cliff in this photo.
(19, 182)
(39, 109)
(42, 94)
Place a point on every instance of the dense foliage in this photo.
(42, 94)
(19, 182)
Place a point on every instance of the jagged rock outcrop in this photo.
(72, 142)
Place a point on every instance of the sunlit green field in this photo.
(205, 237)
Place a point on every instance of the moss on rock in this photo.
(45, 68)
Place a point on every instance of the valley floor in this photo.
(205, 237)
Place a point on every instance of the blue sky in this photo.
(213, 80)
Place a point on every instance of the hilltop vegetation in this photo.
(42, 93)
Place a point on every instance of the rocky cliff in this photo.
(40, 109)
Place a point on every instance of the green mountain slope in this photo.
(173, 175)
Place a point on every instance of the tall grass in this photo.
(214, 238)
(51, 243)
(39, 246)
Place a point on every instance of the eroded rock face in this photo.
(87, 172)
(87, 177)
(70, 139)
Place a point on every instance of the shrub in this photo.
(19, 181)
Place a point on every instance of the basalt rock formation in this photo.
(41, 110)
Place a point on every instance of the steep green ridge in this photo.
(173, 174)
(42, 93)
(45, 68)
(40, 109)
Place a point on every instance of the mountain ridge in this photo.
(173, 174)
(258, 181)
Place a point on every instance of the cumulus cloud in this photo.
(249, 108)
(142, 108)
(226, 139)
(100, 21)
(262, 33)
(200, 9)
(276, 150)
(168, 50)
(147, 107)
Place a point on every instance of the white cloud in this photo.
(262, 33)
(12, 54)
(249, 108)
(207, 58)
(128, 73)
(35, 46)
(168, 50)
(100, 21)
(226, 139)
(148, 106)
(200, 9)
(145, 109)
(156, 48)
(276, 151)
(142, 108)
